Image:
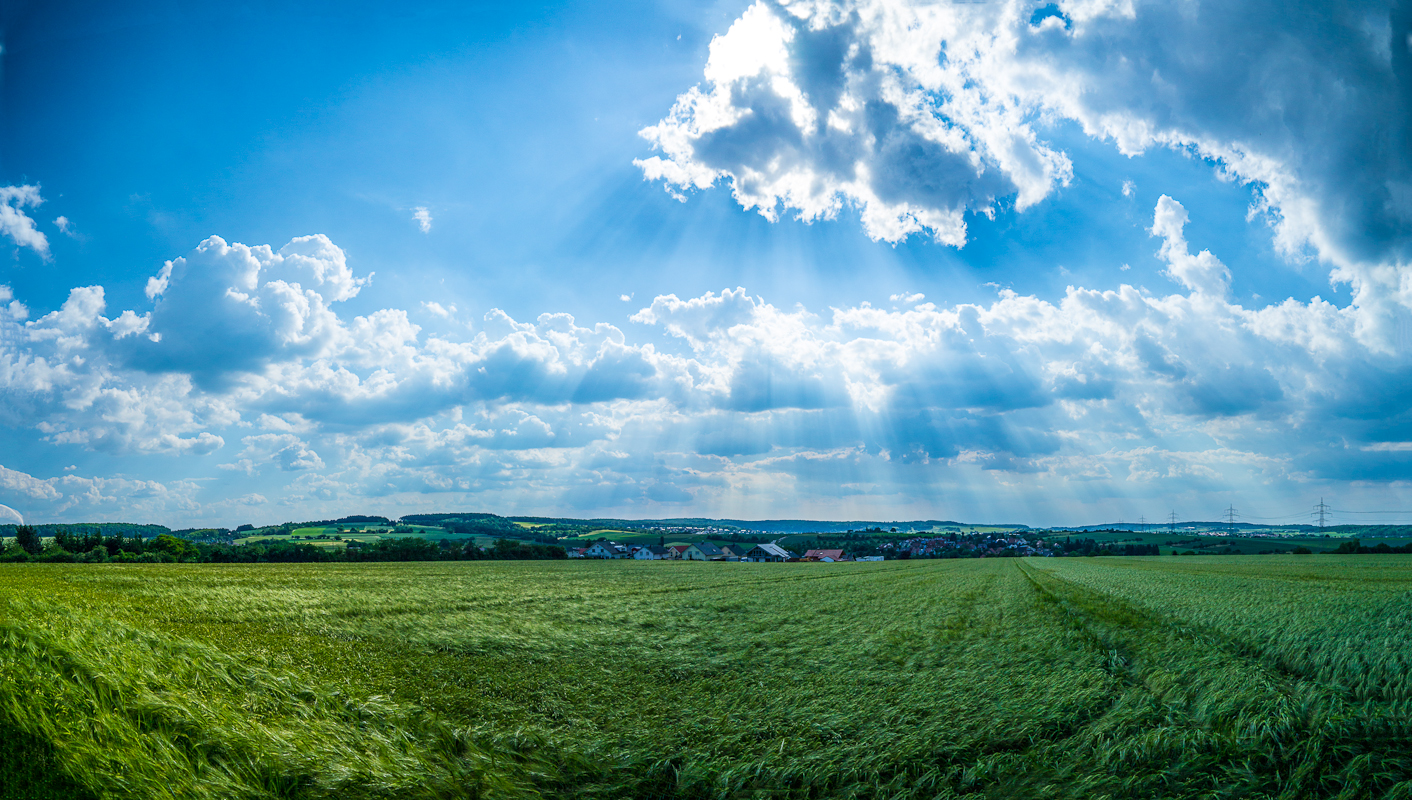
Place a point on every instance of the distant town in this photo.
(482, 536)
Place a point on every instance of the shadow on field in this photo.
(29, 770)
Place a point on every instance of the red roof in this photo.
(836, 555)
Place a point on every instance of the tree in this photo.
(178, 549)
(28, 538)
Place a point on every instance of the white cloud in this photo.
(423, 217)
(1129, 188)
(723, 401)
(445, 312)
(1202, 272)
(917, 112)
(811, 107)
(283, 450)
(65, 227)
(226, 308)
(71, 497)
(17, 225)
(21, 484)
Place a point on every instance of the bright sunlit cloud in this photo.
(1177, 391)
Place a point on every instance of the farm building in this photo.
(824, 555)
(768, 552)
(606, 550)
(703, 551)
(651, 552)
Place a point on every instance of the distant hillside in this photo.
(777, 526)
(552, 528)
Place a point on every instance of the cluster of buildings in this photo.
(705, 551)
(967, 545)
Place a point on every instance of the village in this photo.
(706, 551)
(956, 545)
(947, 545)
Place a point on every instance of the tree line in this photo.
(93, 547)
(1354, 546)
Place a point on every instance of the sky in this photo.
(1048, 264)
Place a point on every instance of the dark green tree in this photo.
(179, 549)
(28, 538)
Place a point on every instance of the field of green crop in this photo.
(1210, 677)
(325, 536)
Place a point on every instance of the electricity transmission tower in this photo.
(1172, 521)
(1321, 509)
(1142, 523)
(1230, 519)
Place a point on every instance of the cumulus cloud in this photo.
(810, 107)
(72, 497)
(18, 225)
(722, 401)
(916, 113)
(227, 308)
(422, 216)
(283, 450)
(1203, 272)
(238, 332)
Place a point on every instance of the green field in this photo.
(1219, 677)
(1208, 544)
(350, 533)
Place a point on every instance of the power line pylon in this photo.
(1230, 519)
(1321, 509)
(1172, 522)
(1142, 523)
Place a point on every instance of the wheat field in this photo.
(1204, 677)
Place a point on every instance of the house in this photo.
(652, 552)
(824, 555)
(768, 552)
(868, 558)
(606, 550)
(736, 550)
(576, 552)
(678, 550)
(703, 551)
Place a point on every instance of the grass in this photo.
(1259, 677)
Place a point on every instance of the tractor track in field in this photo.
(1327, 734)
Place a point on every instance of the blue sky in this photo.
(664, 260)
